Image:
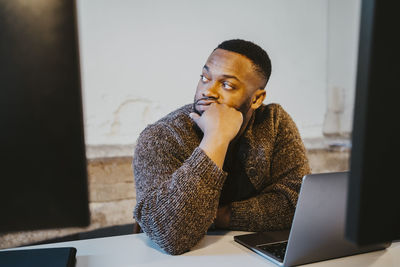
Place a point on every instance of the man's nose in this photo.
(211, 91)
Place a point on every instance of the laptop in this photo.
(318, 227)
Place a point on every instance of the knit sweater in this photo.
(178, 186)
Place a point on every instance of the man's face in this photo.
(227, 78)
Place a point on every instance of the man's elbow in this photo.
(172, 244)
(175, 249)
(171, 241)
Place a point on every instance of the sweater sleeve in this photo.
(273, 208)
(177, 198)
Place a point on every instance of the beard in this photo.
(243, 108)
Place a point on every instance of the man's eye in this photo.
(227, 86)
(203, 79)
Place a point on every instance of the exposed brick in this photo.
(328, 160)
(112, 213)
(111, 192)
(110, 170)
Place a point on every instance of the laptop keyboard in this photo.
(277, 250)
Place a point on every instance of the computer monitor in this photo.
(43, 173)
(373, 207)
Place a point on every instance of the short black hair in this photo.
(255, 53)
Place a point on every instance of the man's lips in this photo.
(205, 102)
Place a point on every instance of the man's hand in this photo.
(219, 121)
(223, 217)
(220, 124)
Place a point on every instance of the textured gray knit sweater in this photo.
(178, 186)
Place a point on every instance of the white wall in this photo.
(343, 28)
(142, 59)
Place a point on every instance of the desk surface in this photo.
(213, 250)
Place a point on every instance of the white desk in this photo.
(213, 250)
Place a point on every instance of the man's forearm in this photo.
(183, 205)
(215, 149)
(220, 124)
(267, 212)
(223, 217)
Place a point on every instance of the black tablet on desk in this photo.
(45, 257)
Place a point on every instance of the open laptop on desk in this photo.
(318, 229)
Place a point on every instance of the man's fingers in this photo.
(194, 116)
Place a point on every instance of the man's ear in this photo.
(258, 98)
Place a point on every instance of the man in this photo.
(227, 160)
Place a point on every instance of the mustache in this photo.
(205, 99)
